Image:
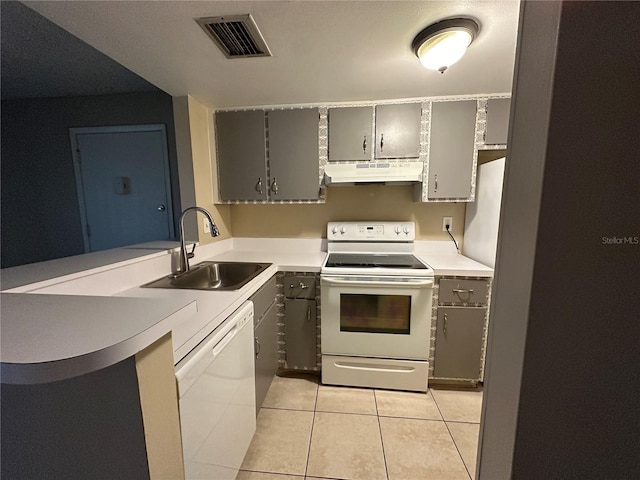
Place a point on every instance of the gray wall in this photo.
(563, 366)
(40, 215)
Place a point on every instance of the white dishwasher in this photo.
(216, 384)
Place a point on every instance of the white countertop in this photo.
(76, 266)
(454, 264)
(52, 337)
(94, 313)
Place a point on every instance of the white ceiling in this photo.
(40, 59)
(323, 51)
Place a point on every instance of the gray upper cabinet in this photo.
(293, 154)
(292, 140)
(451, 148)
(350, 133)
(497, 121)
(398, 130)
(241, 155)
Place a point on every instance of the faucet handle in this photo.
(193, 249)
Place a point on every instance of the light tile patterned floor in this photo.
(311, 431)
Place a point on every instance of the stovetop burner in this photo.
(374, 260)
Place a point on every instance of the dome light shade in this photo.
(444, 43)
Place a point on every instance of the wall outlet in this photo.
(447, 221)
(207, 226)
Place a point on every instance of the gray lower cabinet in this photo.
(288, 137)
(451, 148)
(266, 338)
(350, 133)
(300, 333)
(398, 130)
(300, 325)
(266, 348)
(497, 121)
(241, 156)
(459, 342)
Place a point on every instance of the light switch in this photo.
(122, 186)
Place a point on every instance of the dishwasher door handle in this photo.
(224, 341)
(214, 344)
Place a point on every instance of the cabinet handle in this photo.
(436, 185)
(259, 185)
(444, 325)
(308, 314)
(257, 346)
(364, 145)
(274, 186)
(381, 141)
(462, 290)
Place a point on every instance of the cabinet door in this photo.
(293, 154)
(398, 130)
(300, 333)
(497, 121)
(350, 133)
(453, 126)
(241, 155)
(459, 342)
(263, 299)
(266, 350)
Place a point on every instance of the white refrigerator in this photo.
(483, 216)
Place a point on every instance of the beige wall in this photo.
(193, 133)
(201, 120)
(370, 202)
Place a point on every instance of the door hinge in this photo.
(88, 230)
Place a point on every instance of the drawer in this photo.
(454, 290)
(263, 299)
(300, 286)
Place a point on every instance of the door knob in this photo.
(161, 208)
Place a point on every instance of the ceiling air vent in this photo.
(236, 35)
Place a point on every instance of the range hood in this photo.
(373, 172)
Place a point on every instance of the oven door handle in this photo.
(413, 282)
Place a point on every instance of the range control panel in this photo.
(371, 231)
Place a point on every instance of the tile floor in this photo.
(311, 431)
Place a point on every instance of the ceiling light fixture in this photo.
(444, 43)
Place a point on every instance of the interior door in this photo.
(122, 175)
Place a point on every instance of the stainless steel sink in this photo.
(212, 276)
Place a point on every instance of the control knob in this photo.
(405, 229)
(397, 230)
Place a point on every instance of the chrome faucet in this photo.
(184, 256)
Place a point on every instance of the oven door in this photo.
(385, 317)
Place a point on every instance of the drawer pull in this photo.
(444, 325)
(462, 290)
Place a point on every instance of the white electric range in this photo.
(376, 307)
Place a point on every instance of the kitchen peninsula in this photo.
(88, 355)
